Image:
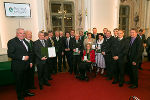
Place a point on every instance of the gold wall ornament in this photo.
(123, 1)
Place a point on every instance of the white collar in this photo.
(27, 40)
(120, 38)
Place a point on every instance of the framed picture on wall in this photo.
(17, 9)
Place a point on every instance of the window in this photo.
(124, 19)
(62, 16)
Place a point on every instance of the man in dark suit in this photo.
(134, 54)
(107, 52)
(72, 34)
(58, 48)
(115, 32)
(51, 61)
(29, 42)
(142, 37)
(62, 39)
(68, 51)
(94, 35)
(41, 60)
(119, 54)
(19, 52)
(77, 49)
(82, 36)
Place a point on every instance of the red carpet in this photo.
(66, 87)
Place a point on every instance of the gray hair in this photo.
(18, 29)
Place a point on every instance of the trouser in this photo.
(69, 60)
(108, 62)
(133, 73)
(20, 74)
(76, 62)
(59, 57)
(83, 68)
(64, 62)
(50, 66)
(140, 61)
(118, 70)
(30, 76)
(42, 73)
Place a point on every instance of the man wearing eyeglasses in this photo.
(18, 51)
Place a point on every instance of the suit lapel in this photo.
(40, 43)
(20, 43)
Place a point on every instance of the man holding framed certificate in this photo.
(77, 49)
(40, 48)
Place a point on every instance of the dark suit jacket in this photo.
(77, 45)
(37, 49)
(82, 38)
(135, 50)
(143, 41)
(72, 38)
(58, 44)
(70, 44)
(49, 43)
(108, 46)
(32, 54)
(120, 48)
(16, 51)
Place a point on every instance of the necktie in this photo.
(68, 42)
(30, 44)
(43, 43)
(24, 45)
(132, 40)
(76, 41)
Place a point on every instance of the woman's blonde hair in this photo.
(90, 47)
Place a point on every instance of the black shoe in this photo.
(20, 98)
(47, 84)
(133, 86)
(70, 72)
(33, 87)
(120, 85)
(29, 94)
(109, 78)
(50, 78)
(114, 82)
(128, 82)
(60, 71)
(86, 79)
(41, 87)
(106, 75)
(140, 68)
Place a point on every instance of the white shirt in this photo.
(25, 47)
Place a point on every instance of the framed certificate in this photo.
(51, 52)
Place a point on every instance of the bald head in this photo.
(28, 34)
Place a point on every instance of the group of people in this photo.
(82, 52)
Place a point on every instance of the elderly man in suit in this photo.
(134, 54)
(77, 50)
(59, 49)
(19, 52)
(141, 35)
(119, 54)
(107, 52)
(41, 60)
(31, 70)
